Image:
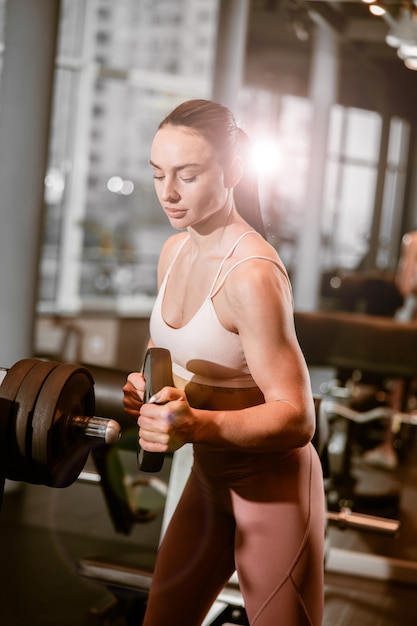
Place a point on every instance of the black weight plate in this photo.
(25, 403)
(157, 371)
(67, 392)
(8, 390)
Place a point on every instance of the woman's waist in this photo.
(225, 379)
(217, 397)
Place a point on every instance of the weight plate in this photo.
(157, 372)
(8, 390)
(67, 392)
(26, 397)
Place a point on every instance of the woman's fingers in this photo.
(137, 381)
(161, 421)
(166, 394)
(133, 394)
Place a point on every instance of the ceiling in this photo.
(280, 42)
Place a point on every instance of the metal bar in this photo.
(349, 519)
(101, 429)
(215, 611)
(364, 565)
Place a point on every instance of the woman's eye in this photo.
(189, 180)
(157, 177)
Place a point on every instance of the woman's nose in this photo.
(169, 192)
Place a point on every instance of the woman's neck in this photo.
(216, 233)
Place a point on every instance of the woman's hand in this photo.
(166, 421)
(133, 394)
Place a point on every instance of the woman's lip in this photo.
(175, 212)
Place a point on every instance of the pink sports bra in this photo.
(203, 350)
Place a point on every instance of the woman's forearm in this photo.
(276, 425)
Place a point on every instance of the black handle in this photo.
(157, 371)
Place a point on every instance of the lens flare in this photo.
(266, 156)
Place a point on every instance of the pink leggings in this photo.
(264, 517)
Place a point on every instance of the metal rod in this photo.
(348, 519)
(101, 429)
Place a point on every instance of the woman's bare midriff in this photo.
(219, 398)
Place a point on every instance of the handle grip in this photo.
(157, 372)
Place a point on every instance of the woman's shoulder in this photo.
(252, 244)
(255, 265)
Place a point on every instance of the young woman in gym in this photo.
(254, 500)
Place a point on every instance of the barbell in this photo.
(47, 422)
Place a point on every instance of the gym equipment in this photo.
(47, 427)
(157, 371)
(360, 348)
(115, 483)
(352, 345)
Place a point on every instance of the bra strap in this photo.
(248, 258)
(176, 255)
(228, 255)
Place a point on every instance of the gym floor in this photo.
(43, 532)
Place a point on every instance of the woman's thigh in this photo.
(280, 542)
(195, 560)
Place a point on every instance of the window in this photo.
(353, 160)
(104, 228)
(395, 177)
(353, 156)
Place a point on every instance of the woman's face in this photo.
(189, 180)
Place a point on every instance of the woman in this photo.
(254, 500)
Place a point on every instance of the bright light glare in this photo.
(266, 157)
(407, 50)
(127, 188)
(376, 9)
(115, 184)
(54, 186)
(54, 180)
(411, 63)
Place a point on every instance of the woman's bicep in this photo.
(272, 351)
(277, 365)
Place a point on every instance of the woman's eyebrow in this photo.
(179, 167)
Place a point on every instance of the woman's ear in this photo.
(234, 172)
